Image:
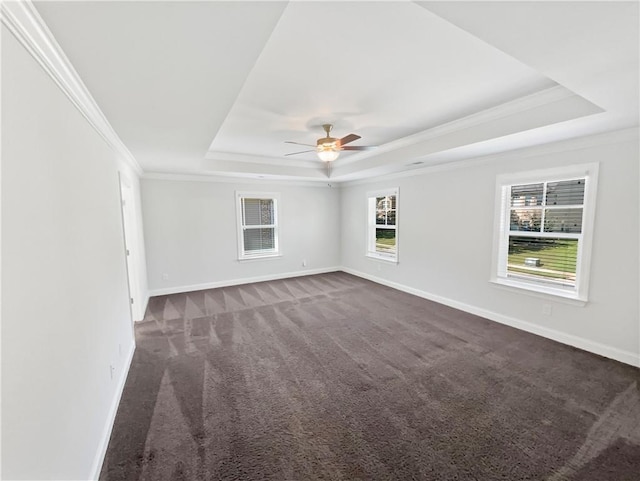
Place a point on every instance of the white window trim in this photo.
(371, 226)
(578, 293)
(258, 195)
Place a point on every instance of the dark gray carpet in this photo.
(333, 377)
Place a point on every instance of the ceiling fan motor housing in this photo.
(328, 142)
(328, 148)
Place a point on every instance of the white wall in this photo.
(446, 233)
(65, 312)
(191, 234)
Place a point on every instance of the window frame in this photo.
(502, 230)
(372, 226)
(241, 227)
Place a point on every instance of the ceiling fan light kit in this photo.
(327, 153)
(328, 148)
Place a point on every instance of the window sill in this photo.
(378, 257)
(259, 257)
(539, 291)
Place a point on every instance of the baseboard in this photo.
(236, 282)
(106, 435)
(626, 357)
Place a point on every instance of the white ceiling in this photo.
(215, 88)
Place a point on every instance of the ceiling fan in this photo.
(328, 148)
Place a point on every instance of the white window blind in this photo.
(383, 230)
(545, 230)
(258, 224)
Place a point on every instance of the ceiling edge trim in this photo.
(567, 145)
(27, 26)
(236, 179)
(521, 104)
(249, 158)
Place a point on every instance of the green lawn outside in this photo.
(557, 260)
(385, 240)
(544, 274)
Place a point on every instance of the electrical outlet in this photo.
(112, 370)
(165, 277)
(547, 309)
(304, 262)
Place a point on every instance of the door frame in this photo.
(130, 239)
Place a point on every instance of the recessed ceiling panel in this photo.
(383, 70)
(214, 87)
(164, 73)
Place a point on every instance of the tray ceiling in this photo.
(215, 88)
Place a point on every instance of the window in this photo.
(545, 229)
(382, 240)
(257, 225)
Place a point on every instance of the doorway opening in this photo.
(131, 244)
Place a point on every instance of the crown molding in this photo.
(237, 179)
(631, 134)
(257, 159)
(584, 142)
(522, 104)
(27, 26)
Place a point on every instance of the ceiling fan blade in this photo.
(302, 152)
(298, 143)
(359, 147)
(349, 138)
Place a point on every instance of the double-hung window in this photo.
(257, 225)
(382, 241)
(545, 228)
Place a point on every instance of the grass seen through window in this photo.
(545, 258)
(385, 240)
